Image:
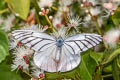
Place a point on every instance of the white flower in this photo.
(116, 0)
(111, 6)
(87, 21)
(64, 9)
(74, 21)
(64, 5)
(61, 32)
(87, 18)
(57, 20)
(94, 2)
(66, 2)
(13, 44)
(100, 21)
(1, 20)
(95, 11)
(108, 5)
(33, 78)
(21, 52)
(37, 73)
(8, 23)
(45, 3)
(21, 57)
(111, 37)
(19, 64)
(36, 28)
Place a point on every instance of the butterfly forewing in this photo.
(82, 42)
(34, 40)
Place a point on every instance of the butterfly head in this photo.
(59, 42)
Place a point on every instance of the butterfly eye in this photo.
(59, 42)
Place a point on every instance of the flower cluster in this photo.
(112, 37)
(23, 55)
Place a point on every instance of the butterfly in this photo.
(55, 54)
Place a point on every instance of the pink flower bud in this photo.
(83, 0)
(20, 67)
(41, 75)
(46, 26)
(42, 9)
(50, 17)
(41, 13)
(33, 79)
(47, 11)
(57, 25)
(19, 44)
(82, 5)
(108, 5)
(26, 61)
(86, 11)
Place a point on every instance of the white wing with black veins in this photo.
(51, 58)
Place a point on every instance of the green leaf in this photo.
(108, 69)
(6, 74)
(116, 17)
(3, 11)
(115, 70)
(118, 61)
(112, 56)
(4, 51)
(96, 56)
(2, 5)
(70, 75)
(87, 67)
(19, 7)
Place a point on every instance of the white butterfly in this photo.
(56, 54)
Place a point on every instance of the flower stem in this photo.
(3, 11)
(27, 73)
(68, 29)
(65, 16)
(98, 28)
(96, 23)
(54, 8)
(48, 20)
(36, 10)
(108, 75)
(50, 24)
(118, 63)
(99, 31)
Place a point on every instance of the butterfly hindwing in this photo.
(68, 60)
(46, 60)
